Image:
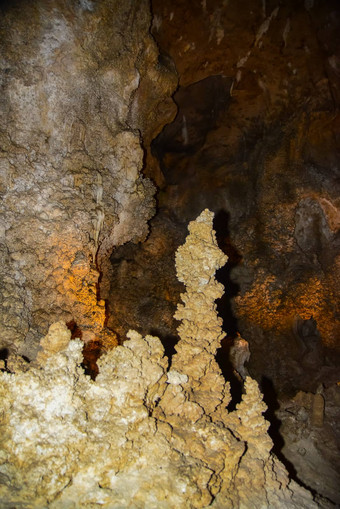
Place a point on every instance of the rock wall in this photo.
(141, 434)
(82, 87)
(256, 140)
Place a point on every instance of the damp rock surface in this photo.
(309, 426)
(142, 435)
(75, 105)
(255, 140)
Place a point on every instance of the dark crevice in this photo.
(199, 107)
(91, 353)
(224, 307)
(168, 341)
(236, 385)
(4, 353)
(92, 350)
(271, 400)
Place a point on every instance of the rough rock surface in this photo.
(256, 140)
(311, 439)
(82, 85)
(142, 435)
(265, 152)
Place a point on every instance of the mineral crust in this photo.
(143, 434)
(74, 100)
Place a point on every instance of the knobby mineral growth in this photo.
(141, 434)
(76, 102)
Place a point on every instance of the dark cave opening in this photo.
(200, 105)
(4, 352)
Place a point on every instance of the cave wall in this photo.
(268, 164)
(76, 106)
(84, 89)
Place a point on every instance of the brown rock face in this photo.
(75, 96)
(256, 140)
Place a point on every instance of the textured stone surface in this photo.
(143, 294)
(310, 430)
(255, 140)
(141, 435)
(81, 86)
(200, 330)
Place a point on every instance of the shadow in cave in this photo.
(236, 385)
(91, 353)
(168, 341)
(224, 308)
(200, 105)
(92, 350)
(5, 357)
(4, 352)
(9, 4)
(271, 400)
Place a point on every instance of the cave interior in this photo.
(212, 104)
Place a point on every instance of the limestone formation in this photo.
(76, 85)
(239, 354)
(200, 330)
(261, 113)
(318, 411)
(141, 435)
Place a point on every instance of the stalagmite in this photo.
(141, 435)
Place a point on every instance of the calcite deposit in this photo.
(77, 82)
(256, 140)
(143, 434)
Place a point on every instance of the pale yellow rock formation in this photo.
(200, 331)
(141, 435)
(57, 339)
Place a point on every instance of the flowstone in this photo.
(141, 435)
(81, 89)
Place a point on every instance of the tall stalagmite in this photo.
(141, 435)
